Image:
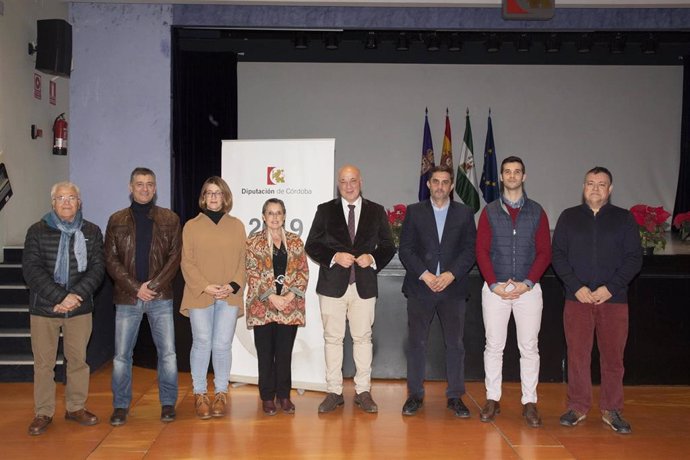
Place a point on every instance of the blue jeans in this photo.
(127, 321)
(213, 328)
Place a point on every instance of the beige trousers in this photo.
(360, 314)
(45, 333)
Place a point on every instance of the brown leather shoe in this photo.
(202, 406)
(529, 411)
(489, 411)
(331, 403)
(82, 417)
(366, 403)
(39, 425)
(219, 402)
(287, 405)
(269, 407)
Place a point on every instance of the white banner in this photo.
(299, 172)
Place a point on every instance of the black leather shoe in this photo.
(168, 414)
(412, 405)
(119, 417)
(457, 406)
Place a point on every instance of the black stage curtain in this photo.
(683, 191)
(204, 93)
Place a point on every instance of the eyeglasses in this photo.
(594, 185)
(214, 194)
(70, 199)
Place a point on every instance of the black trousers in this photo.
(274, 344)
(420, 313)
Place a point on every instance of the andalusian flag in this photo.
(427, 159)
(447, 150)
(489, 183)
(466, 177)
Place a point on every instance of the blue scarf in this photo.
(67, 229)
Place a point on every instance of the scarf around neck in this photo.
(67, 229)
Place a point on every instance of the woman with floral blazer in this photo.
(277, 275)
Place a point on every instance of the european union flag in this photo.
(489, 182)
(427, 160)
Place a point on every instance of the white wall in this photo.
(30, 163)
(562, 120)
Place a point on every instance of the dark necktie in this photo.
(351, 230)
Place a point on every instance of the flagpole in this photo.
(427, 159)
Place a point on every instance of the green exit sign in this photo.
(528, 10)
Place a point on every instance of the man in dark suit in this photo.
(351, 240)
(437, 250)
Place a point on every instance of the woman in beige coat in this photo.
(213, 251)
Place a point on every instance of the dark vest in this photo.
(513, 247)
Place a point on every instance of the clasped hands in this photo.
(281, 301)
(437, 283)
(596, 297)
(510, 290)
(219, 291)
(145, 293)
(69, 303)
(345, 260)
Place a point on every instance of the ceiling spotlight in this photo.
(649, 45)
(403, 43)
(370, 43)
(552, 43)
(433, 43)
(331, 41)
(455, 43)
(493, 44)
(523, 44)
(584, 43)
(301, 41)
(617, 44)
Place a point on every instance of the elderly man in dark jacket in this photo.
(63, 267)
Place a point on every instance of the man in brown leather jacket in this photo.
(142, 253)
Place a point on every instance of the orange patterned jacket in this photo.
(261, 281)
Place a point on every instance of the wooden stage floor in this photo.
(660, 418)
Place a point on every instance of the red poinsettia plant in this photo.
(396, 216)
(652, 225)
(682, 223)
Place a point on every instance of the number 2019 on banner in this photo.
(295, 226)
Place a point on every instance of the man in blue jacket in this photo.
(437, 250)
(596, 253)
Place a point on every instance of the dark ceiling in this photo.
(624, 47)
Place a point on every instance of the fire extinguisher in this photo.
(60, 135)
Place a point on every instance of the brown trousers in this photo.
(45, 333)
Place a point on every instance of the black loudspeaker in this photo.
(54, 47)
